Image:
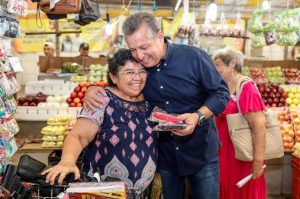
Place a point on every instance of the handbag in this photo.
(29, 168)
(61, 7)
(89, 12)
(241, 135)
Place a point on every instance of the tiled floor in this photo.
(279, 197)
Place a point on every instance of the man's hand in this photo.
(191, 119)
(92, 100)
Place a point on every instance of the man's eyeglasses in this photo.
(131, 74)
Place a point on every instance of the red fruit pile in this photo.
(76, 97)
(258, 75)
(272, 94)
(32, 100)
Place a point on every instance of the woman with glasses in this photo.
(118, 139)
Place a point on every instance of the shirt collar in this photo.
(169, 49)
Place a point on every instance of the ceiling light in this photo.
(266, 5)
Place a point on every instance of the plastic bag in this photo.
(287, 39)
(256, 25)
(18, 7)
(222, 27)
(258, 41)
(287, 24)
(166, 122)
(237, 30)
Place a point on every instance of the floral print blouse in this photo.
(125, 146)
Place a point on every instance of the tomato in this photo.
(73, 95)
(76, 100)
(79, 104)
(83, 89)
(72, 104)
(77, 89)
(69, 100)
(80, 95)
(82, 84)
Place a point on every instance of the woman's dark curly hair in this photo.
(117, 62)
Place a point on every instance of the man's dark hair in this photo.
(117, 62)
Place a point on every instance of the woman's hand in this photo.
(92, 100)
(257, 168)
(61, 170)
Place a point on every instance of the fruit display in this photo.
(79, 78)
(245, 71)
(69, 67)
(30, 100)
(295, 117)
(292, 75)
(76, 97)
(98, 72)
(289, 119)
(258, 75)
(272, 94)
(275, 74)
(293, 96)
(54, 134)
(297, 150)
(56, 101)
(286, 128)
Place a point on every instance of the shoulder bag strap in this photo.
(239, 88)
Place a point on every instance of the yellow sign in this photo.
(95, 33)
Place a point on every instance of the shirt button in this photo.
(161, 87)
(165, 64)
(158, 70)
(167, 102)
(177, 148)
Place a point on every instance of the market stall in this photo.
(38, 107)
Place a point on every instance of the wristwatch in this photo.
(201, 118)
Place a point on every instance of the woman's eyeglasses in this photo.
(131, 73)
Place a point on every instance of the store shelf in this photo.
(29, 113)
(33, 147)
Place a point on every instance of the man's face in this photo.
(84, 52)
(147, 50)
(49, 52)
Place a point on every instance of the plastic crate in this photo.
(296, 178)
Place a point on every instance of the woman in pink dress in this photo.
(229, 62)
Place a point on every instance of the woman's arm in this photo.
(257, 122)
(80, 136)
